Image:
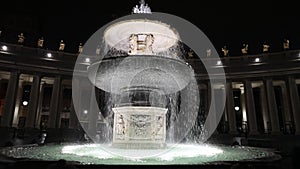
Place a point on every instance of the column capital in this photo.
(267, 78)
(229, 80)
(289, 79)
(16, 72)
(37, 74)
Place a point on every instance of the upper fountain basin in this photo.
(118, 34)
(116, 75)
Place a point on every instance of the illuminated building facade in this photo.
(262, 91)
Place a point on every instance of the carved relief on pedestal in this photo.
(120, 127)
(159, 129)
(140, 126)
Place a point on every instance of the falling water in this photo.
(181, 113)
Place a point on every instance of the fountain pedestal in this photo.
(139, 127)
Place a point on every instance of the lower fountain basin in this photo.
(180, 154)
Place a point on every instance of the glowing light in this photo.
(186, 150)
(4, 48)
(49, 55)
(257, 60)
(87, 150)
(219, 63)
(25, 103)
(237, 108)
(165, 37)
(85, 112)
(178, 151)
(87, 60)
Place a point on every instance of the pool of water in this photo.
(87, 154)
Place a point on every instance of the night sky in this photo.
(230, 23)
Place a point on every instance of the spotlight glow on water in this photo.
(81, 150)
(178, 151)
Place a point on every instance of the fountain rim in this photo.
(9, 159)
(107, 59)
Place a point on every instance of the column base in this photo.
(233, 132)
(277, 133)
(297, 133)
(253, 133)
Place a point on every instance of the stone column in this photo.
(33, 101)
(39, 107)
(54, 104)
(294, 102)
(250, 108)
(286, 104)
(264, 108)
(230, 108)
(10, 99)
(272, 107)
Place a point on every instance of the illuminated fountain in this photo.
(142, 80)
(143, 69)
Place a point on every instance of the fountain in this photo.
(139, 122)
(153, 102)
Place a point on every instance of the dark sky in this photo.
(228, 23)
